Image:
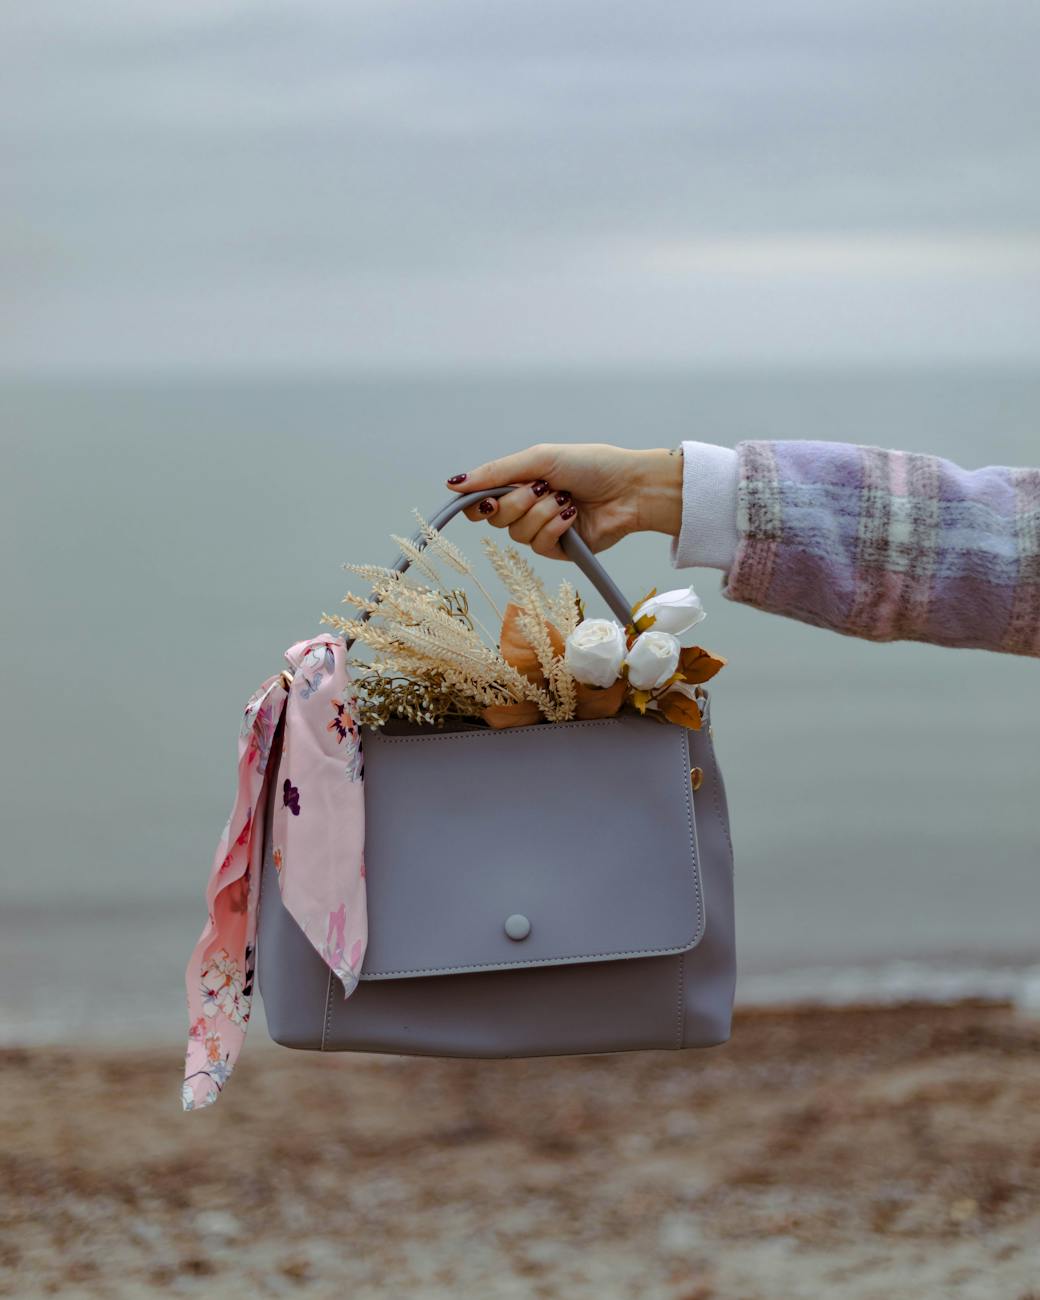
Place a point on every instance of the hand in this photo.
(605, 492)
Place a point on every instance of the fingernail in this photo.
(562, 498)
(540, 487)
(569, 513)
(457, 478)
(486, 506)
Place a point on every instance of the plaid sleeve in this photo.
(889, 545)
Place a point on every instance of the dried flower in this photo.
(433, 658)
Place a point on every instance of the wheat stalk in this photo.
(516, 575)
(564, 701)
(436, 546)
(418, 557)
(422, 605)
(379, 573)
(434, 641)
(563, 611)
(454, 558)
(446, 550)
(564, 688)
(536, 610)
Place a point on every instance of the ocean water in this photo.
(164, 540)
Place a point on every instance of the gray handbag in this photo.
(532, 891)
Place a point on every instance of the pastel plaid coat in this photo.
(889, 545)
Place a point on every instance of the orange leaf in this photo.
(600, 701)
(679, 708)
(699, 665)
(517, 650)
(521, 714)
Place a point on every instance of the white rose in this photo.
(595, 651)
(653, 658)
(674, 611)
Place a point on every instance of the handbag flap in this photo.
(579, 835)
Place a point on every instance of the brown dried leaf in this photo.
(699, 665)
(521, 714)
(679, 708)
(600, 701)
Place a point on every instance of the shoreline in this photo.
(845, 1152)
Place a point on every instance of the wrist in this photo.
(658, 490)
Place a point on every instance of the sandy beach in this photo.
(852, 1153)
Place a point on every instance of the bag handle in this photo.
(573, 547)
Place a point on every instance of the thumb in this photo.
(521, 466)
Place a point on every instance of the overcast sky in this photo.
(461, 182)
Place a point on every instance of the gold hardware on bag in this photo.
(696, 777)
(286, 677)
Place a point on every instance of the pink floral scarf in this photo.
(318, 839)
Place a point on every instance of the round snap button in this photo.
(518, 926)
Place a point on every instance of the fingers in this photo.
(527, 526)
(534, 515)
(540, 527)
(546, 540)
(520, 467)
(486, 509)
(504, 510)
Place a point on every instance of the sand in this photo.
(881, 1153)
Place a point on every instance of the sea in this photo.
(166, 537)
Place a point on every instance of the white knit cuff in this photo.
(708, 536)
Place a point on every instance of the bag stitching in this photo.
(496, 733)
(681, 1033)
(698, 931)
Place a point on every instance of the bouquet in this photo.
(433, 658)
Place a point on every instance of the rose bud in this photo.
(595, 651)
(653, 658)
(673, 611)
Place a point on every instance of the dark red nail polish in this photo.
(540, 487)
(458, 478)
(486, 506)
(569, 513)
(562, 498)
